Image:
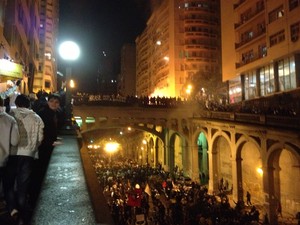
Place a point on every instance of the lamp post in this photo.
(68, 51)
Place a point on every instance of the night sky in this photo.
(97, 26)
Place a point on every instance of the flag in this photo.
(147, 189)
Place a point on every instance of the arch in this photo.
(159, 152)
(202, 147)
(252, 180)
(176, 152)
(150, 153)
(221, 158)
(242, 140)
(246, 149)
(283, 158)
(217, 135)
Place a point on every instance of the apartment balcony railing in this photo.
(249, 17)
(200, 46)
(199, 34)
(287, 122)
(255, 35)
(188, 21)
(238, 4)
(250, 59)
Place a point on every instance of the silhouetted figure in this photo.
(266, 219)
(279, 209)
(248, 196)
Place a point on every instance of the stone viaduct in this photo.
(244, 152)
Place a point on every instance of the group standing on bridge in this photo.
(27, 140)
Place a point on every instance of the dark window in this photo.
(277, 38)
(47, 84)
(295, 31)
(293, 4)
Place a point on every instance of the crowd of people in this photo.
(140, 194)
(28, 136)
(280, 106)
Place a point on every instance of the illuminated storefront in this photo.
(9, 71)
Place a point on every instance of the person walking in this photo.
(9, 136)
(20, 162)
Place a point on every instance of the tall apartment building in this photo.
(126, 81)
(260, 47)
(179, 47)
(45, 78)
(21, 23)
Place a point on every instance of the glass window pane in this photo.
(272, 82)
(262, 81)
(292, 72)
(280, 74)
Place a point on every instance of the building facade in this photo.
(260, 47)
(25, 51)
(179, 47)
(46, 78)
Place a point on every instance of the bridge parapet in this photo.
(176, 118)
(146, 118)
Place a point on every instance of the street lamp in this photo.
(68, 51)
(110, 148)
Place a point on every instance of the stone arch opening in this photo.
(203, 166)
(251, 176)
(221, 158)
(176, 159)
(159, 155)
(151, 152)
(283, 189)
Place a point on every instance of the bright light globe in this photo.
(69, 50)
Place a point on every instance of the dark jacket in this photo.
(50, 120)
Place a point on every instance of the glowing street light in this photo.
(189, 90)
(69, 51)
(111, 147)
(72, 83)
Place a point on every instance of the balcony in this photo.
(249, 17)
(256, 56)
(249, 38)
(238, 4)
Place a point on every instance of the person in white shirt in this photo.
(9, 136)
(20, 163)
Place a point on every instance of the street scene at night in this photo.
(149, 112)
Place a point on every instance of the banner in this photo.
(10, 69)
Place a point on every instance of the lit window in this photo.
(276, 14)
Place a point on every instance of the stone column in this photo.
(195, 163)
(239, 189)
(213, 171)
